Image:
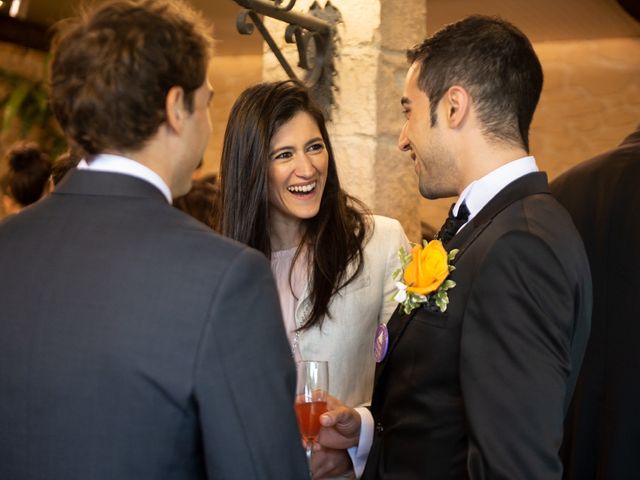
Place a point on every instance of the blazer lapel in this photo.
(303, 307)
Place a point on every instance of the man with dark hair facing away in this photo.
(473, 381)
(135, 343)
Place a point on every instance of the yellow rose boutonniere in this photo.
(423, 276)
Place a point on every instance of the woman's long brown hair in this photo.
(335, 236)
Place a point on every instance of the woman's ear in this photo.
(458, 103)
(175, 108)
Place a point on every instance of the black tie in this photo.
(453, 223)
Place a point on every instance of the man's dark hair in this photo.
(113, 67)
(495, 62)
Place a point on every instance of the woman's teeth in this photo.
(302, 188)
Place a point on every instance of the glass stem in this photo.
(309, 450)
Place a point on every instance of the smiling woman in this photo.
(297, 174)
(333, 261)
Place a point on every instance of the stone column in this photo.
(367, 119)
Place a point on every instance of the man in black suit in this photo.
(602, 431)
(135, 343)
(478, 390)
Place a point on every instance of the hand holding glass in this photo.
(311, 400)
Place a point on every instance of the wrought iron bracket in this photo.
(312, 36)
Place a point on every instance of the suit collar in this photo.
(480, 192)
(104, 162)
(87, 182)
(530, 184)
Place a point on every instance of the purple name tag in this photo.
(381, 342)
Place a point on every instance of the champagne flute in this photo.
(311, 400)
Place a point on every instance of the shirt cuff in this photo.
(360, 452)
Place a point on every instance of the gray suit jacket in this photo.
(137, 344)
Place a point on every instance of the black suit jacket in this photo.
(480, 390)
(137, 344)
(603, 427)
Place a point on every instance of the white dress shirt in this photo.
(476, 196)
(480, 192)
(118, 164)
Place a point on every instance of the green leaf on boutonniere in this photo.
(448, 284)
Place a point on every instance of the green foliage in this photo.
(27, 102)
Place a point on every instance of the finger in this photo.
(328, 437)
(340, 416)
(329, 419)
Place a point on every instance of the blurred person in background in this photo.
(27, 179)
(202, 202)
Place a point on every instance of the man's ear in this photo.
(174, 106)
(458, 104)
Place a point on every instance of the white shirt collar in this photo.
(480, 192)
(119, 164)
